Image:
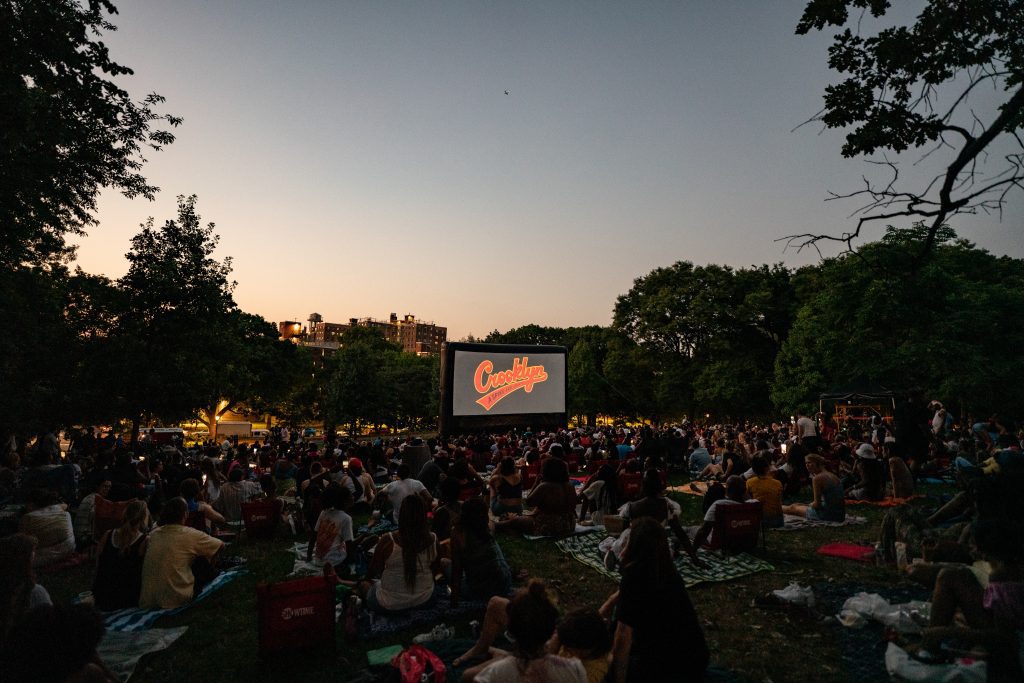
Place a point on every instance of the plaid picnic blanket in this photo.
(797, 523)
(721, 567)
(138, 619)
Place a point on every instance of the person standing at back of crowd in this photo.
(807, 432)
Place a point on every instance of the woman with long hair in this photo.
(829, 502)
(658, 636)
(405, 562)
(506, 489)
(212, 480)
(479, 569)
(119, 559)
(553, 500)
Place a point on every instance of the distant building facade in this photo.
(323, 338)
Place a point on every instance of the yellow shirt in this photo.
(596, 668)
(167, 580)
(768, 490)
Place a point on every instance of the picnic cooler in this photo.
(295, 614)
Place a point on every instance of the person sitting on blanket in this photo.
(49, 522)
(19, 591)
(992, 606)
(659, 507)
(735, 493)
(119, 558)
(448, 509)
(233, 493)
(553, 500)
(658, 636)
(767, 489)
(179, 560)
(200, 514)
(478, 569)
(531, 617)
(583, 634)
(332, 537)
(506, 489)
(829, 502)
(85, 515)
(868, 478)
(404, 563)
(598, 496)
(404, 487)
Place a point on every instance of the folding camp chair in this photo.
(261, 517)
(737, 527)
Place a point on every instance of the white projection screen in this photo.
(503, 384)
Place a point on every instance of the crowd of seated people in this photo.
(445, 521)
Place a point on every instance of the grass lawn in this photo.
(755, 644)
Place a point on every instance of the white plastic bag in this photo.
(903, 667)
(905, 618)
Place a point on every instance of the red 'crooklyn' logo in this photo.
(497, 385)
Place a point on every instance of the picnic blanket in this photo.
(797, 523)
(373, 624)
(888, 502)
(721, 567)
(137, 619)
(848, 551)
(122, 650)
(383, 526)
(580, 529)
(301, 567)
(694, 488)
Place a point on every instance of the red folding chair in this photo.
(529, 474)
(107, 515)
(295, 614)
(737, 527)
(261, 517)
(631, 485)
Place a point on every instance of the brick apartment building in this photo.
(415, 336)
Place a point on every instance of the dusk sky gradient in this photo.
(361, 158)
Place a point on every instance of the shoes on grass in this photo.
(439, 632)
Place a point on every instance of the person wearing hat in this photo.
(869, 475)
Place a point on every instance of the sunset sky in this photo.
(362, 158)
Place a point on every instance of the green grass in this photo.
(756, 644)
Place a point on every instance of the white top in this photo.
(546, 669)
(392, 592)
(400, 490)
(52, 528)
(333, 528)
(805, 427)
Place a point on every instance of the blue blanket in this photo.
(138, 619)
(373, 624)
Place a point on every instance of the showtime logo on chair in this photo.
(289, 613)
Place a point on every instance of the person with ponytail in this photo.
(532, 618)
(119, 558)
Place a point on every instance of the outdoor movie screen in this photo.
(507, 383)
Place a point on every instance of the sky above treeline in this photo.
(363, 158)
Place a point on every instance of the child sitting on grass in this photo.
(583, 634)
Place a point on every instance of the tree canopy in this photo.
(68, 128)
(919, 87)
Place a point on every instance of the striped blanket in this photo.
(720, 567)
(138, 619)
(797, 523)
